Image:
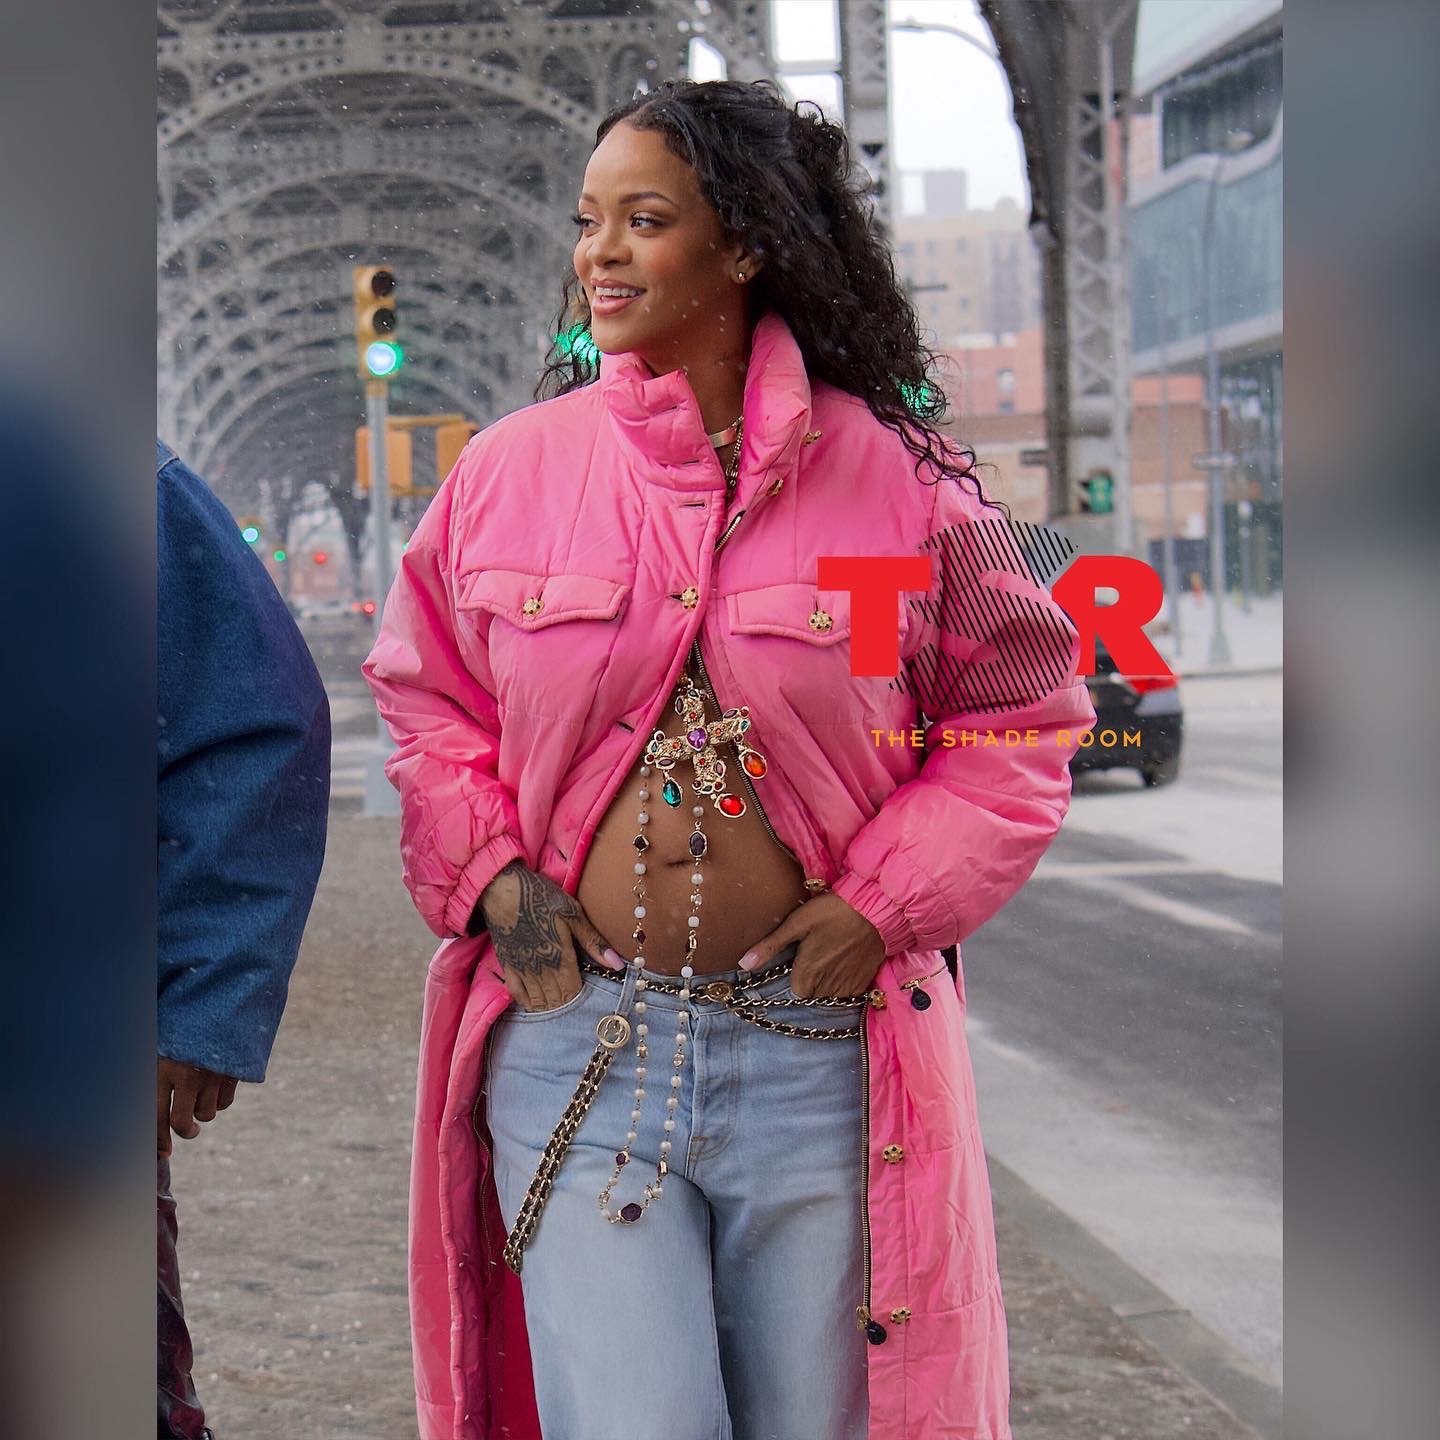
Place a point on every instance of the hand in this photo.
(840, 950)
(536, 926)
(185, 1094)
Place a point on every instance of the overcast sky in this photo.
(950, 105)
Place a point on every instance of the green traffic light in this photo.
(250, 534)
(383, 358)
(280, 557)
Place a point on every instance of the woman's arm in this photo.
(949, 848)
(459, 824)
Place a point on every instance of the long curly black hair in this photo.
(785, 184)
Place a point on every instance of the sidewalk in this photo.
(292, 1213)
(1256, 638)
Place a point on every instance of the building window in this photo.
(1005, 391)
(1240, 93)
(929, 247)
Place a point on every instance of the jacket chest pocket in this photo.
(548, 636)
(797, 639)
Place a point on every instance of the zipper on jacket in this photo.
(875, 1332)
(749, 784)
(813, 884)
(488, 1188)
(729, 529)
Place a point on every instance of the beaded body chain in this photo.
(663, 753)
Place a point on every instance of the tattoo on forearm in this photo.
(532, 944)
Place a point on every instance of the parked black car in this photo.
(1147, 706)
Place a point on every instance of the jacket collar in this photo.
(657, 417)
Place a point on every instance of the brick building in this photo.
(970, 273)
(997, 398)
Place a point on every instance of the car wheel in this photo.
(1163, 773)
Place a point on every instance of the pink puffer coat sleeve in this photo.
(459, 824)
(946, 850)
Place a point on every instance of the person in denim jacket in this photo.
(243, 793)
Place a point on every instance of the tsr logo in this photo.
(983, 596)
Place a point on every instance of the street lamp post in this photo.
(1244, 510)
(380, 796)
(1219, 645)
(1111, 132)
(920, 26)
(924, 27)
(1114, 223)
(1171, 586)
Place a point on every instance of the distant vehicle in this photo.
(1145, 704)
(322, 609)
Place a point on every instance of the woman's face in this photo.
(644, 226)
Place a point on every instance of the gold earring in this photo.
(740, 276)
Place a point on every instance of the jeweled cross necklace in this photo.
(698, 744)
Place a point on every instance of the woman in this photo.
(666, 833)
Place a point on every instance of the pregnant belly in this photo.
(750, 884)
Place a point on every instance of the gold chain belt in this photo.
(555, 1148)
(612, 1032)
(732, 995)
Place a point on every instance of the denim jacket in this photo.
(243, 785)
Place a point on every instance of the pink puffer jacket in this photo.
(540, 619)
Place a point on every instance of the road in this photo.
(339, 646)
(1125, 1019)
(1124, 1009)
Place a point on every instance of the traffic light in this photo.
(1097, 493)
(378, 351)
(450, 440)
(250, 529)
(398, 470)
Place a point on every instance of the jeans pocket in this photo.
(517, 1015)
(814, 1013)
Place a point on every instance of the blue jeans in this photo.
(727, 1312)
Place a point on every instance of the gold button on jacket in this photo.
(893, 1154)
(532, 605)
(819, 620)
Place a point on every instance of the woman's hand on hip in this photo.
(536, 926)
(839, 949)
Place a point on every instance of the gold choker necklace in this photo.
(725, 436)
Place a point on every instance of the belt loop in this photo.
(627, 991)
